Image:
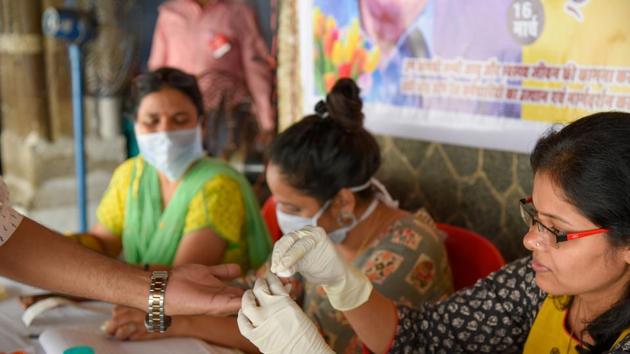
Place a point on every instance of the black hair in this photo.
(158, 79)
(330, 150)
(589, 160)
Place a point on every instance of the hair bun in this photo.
(344, 104)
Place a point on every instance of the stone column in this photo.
(288, 73)
(22, 79)
(22, 85)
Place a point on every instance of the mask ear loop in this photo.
(319, 213)
(384, 195)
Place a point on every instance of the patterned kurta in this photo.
(407, 263)
(493, 316)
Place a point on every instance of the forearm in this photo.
(222, 331)
(41, 257)
(375, 322)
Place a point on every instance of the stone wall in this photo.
(469, 187)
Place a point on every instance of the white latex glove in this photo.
(271, 320)
(310, 252)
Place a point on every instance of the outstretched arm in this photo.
(38, 256)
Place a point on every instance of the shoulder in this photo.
(519, 275)
(223, 183)
(123, 171)
(419, 223)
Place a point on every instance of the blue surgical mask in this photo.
(171, 152)
(288, 222)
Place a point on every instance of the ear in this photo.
(626, 255)
(344, 201)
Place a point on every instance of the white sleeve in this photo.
(9, 218)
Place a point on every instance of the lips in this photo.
(539, 267)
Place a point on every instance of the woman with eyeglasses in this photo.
(572, 295)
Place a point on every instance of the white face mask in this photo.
(171, 152)
(289, 222)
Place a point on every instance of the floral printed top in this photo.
(493, 316)
(407, 263)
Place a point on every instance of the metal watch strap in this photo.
(156, 320)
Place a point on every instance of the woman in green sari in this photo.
(173, 205)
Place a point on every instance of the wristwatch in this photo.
(156, 320)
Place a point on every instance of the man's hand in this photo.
(194, 289)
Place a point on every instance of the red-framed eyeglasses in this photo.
(552, 236)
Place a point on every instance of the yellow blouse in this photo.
(218, 206)
(549, 333)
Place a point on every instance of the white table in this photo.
(15, 335)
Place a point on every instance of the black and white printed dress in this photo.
(493, 316)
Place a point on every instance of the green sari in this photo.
(152, 235)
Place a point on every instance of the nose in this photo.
(531, 241)
(165, 124)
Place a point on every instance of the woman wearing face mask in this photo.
(321, 172)
(173, 205)
(572, 295)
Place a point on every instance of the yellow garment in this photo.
(218, 205)
(549, 333)
(86, 240)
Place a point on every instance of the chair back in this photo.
(269, 215)
(471, 256)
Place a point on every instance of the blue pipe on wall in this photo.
(79, 140)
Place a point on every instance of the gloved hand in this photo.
(271, 320)
(310, 252)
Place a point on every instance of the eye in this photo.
(181, 118)
(289, 208)
(149, 120)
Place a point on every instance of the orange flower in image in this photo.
(329, 80)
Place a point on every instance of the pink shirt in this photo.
(9, 218)
(221, 45)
